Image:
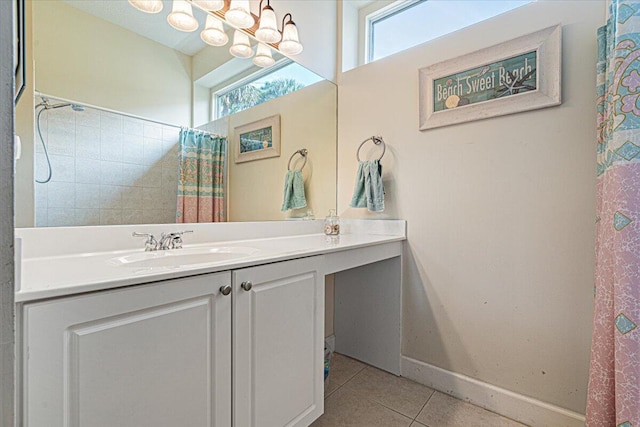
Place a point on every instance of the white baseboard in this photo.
(527, 410)
(331, 342)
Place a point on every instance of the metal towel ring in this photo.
(303, 152)
(376, 140)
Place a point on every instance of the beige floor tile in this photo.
(346, 408)
(446, 411)
(397, 393)
(341, 370)
(417, 424)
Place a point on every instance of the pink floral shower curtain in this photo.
(614, 380)
(201, 195)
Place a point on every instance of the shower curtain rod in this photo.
(107, 110)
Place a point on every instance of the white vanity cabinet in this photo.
(151, 355)
(278, 344)
(161, 355)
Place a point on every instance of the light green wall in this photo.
(498, 281)
(87, 59)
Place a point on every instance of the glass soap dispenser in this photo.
(332, 224)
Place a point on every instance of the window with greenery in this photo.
(263, 86)
(408, 23)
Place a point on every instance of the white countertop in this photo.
(45, 276)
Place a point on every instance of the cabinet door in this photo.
(151, 355)
(278, 330)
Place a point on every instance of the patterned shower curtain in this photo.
(201, 195)
(614, 380)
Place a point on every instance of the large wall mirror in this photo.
(114, 86)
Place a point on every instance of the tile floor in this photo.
(358, 395)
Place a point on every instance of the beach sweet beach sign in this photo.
(508, 77)
(519, 75)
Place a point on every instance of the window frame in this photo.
(378, 11)
(248, 79)
(381, 14)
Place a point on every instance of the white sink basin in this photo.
(182, 257)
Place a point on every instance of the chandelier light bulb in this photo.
(239, 14)
(290, 44)
(181, 17)
(211, 5)
(268, 32)
(263, 56)
(213, 32)
(147, 6)
(241, 47)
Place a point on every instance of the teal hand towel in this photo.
(293, 191)
(369, 191)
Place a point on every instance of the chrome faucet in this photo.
(151, 244)
(172, 240)
(167, 240)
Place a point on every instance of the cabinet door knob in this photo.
(246, 286)
(225, 290)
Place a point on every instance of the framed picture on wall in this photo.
(519, 75)
(19, 49)
(257, 140)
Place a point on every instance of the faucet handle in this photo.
(176, 238)
(176, 242)
(151, 244)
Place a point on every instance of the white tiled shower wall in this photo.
(108, 169)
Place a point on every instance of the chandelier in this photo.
(237, 14)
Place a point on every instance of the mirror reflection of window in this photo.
(283, 78)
